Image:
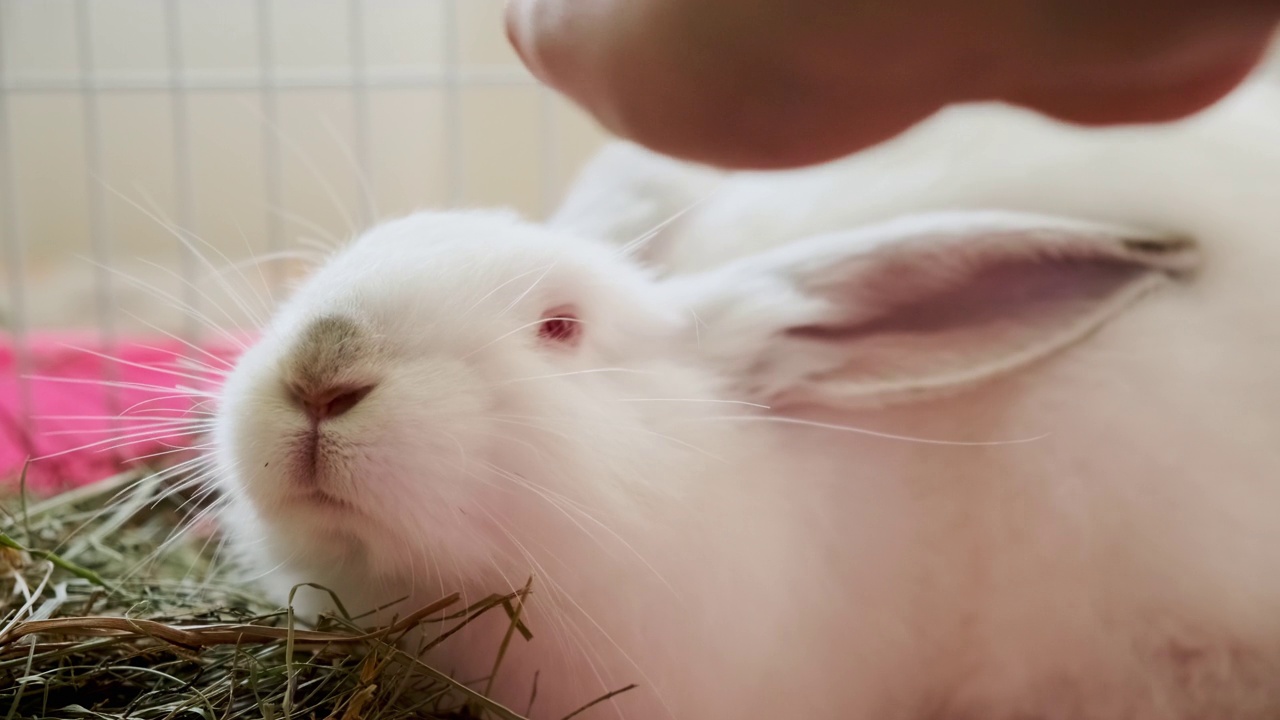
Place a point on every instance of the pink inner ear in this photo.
(1025, 293)
(561, 326)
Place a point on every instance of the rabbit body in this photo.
(807, 459)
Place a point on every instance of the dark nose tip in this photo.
(330, 402)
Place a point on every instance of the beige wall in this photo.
(515, 144)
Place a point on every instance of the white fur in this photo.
(1118, 561)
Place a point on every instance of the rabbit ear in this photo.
(919, 306)
(628, 196)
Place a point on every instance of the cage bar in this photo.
(272, 157)
(15, 262)
(99, 240)
(183, 181)
(453, 105)
(360, 108)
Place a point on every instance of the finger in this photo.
(758, 85)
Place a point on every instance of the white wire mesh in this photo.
(243, 124)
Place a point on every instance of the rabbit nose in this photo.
(324, 403)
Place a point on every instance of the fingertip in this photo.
(516, 17)
(1140, 104)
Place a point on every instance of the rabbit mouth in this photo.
(306, 489)
(322, 499)
(317, 461)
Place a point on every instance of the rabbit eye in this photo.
(560, 326)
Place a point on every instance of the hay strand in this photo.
(96, 623)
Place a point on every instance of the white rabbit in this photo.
(981, 424)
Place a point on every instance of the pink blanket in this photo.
(80, 429)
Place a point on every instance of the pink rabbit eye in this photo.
(560, 326)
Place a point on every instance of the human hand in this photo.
(780, 83)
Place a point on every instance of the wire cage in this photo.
(164, 162)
